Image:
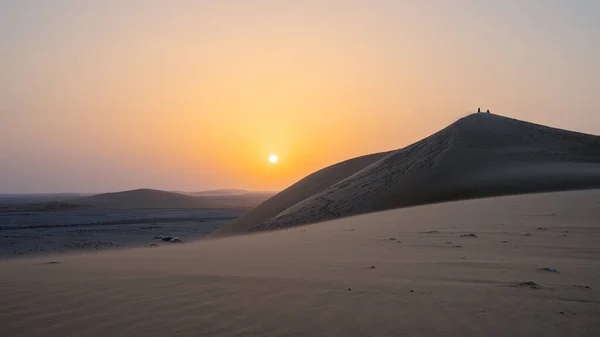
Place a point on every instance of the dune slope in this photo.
(477, 156)
(308, 186)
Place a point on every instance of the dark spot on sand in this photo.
(457, 246)
(412, 291)
(392, 239)
(542, 229)
(529, 284)
(504, 241)
(470, 235)
(349, 289)
(431, 232)
(562, 312)
(550, 269)
(372, 267)
(50, 262)
(526, 234)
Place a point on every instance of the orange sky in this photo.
(111, 95)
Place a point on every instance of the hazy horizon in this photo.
(103, 96)
(135, 189)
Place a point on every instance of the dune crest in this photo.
(479, 155)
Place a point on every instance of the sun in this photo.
(273, 158)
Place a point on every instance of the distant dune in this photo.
(477, 156)
(148, 198)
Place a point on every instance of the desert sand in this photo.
(480, 155)
(467, 268)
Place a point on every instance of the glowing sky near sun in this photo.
(188, 95)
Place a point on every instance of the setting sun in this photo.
(273, 158)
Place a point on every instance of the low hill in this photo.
(477, 156)
(148, 198)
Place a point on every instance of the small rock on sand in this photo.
(469, 235)
(550, 269)
(51, 262)
(529, 284)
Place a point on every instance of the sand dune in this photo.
(301, 190)
(477, 156)
(148, 198)
(405, 272)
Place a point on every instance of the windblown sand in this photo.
(408, 272)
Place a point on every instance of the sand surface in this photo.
(405, 272)
(25, 234)
(478, 156)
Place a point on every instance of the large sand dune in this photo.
(405, 272)
(477, 156)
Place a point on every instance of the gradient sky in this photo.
(104, 95)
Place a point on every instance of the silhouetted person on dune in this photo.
(487, 111)
(478, 110)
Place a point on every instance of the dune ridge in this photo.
(479, 155)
